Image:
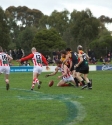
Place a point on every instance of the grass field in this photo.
(56, 105)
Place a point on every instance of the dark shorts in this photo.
(84, 70)
(77, 69)
(72, 68)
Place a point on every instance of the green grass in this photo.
(56, 105)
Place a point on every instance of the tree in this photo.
(4, 30)
(25, 38)
(25, 16)
(47, 40)
(14, 30)
(57, 20)
(84, 27)
(102, 45)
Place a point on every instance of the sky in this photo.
(97, 7)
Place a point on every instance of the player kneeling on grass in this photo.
(66, 75)
(4, 66)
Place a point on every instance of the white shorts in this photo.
(68, 79)
(37, 69)
(5, 69)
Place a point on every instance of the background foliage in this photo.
(24, 27)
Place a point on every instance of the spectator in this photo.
(109, 56)
(54, 55)
(94, 60)
(23, 53)
(19, 53)
(106, 60)
(14, 54)
(26, 63)
(59, 55)
(101, 59)
(46, 57)
(10, 53)
(49, 60)
(5, 51)
(89, 54)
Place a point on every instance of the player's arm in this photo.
(54, 73)
(66, 59)
(71, 64)
(9, 58)
(81, 60)
(44, 60)
(27, 57)
(65, 72)
(87, 57)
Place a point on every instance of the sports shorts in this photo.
(37, 69)
(5, 69)
(68, 79)
(84, 70)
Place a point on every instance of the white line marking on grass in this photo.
(25, 90)
(78, 113)
(81, 113)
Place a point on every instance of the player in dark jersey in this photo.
(74, 60)
(83, 69)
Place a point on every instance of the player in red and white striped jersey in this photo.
(4, 66)
(66, 75)
(37, 59)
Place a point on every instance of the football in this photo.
(51, 83)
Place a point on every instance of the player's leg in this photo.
(74, 74)
(81, 80)
(36, 72)
(71, 79)
(87, 81)
(35, 80)
(7, 72)
(75, 78)
(7, 81)
(61, 83)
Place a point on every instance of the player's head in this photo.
(33, 49)
(67, 50)
(1, 50)
(80, 49)
(58, 63)
(63, 54)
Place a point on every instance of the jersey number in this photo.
(38, 58)
(4, 58)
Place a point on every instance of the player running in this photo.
(37, 59)
(4, 66)
(66, 75)
(83, 68)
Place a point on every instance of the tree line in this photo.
(24, 27)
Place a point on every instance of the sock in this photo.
(33, 84)
(35, 80)
(89, 85)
